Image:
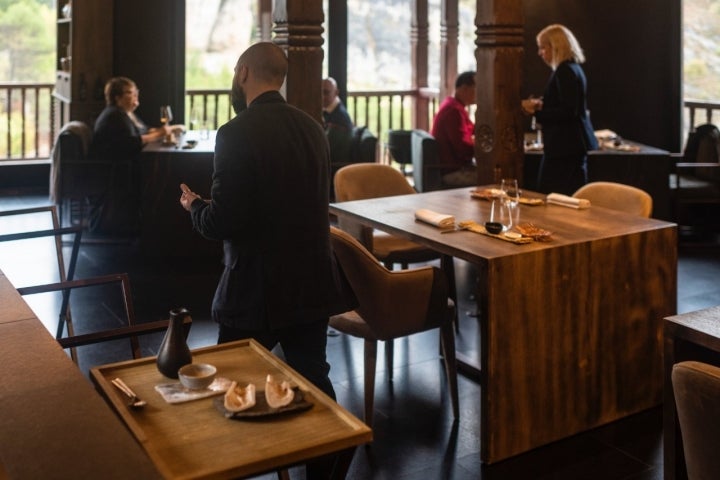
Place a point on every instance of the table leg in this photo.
(673, 457)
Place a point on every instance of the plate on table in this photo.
(262, 409)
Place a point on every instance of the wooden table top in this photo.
(569, 226)
(701, 327)
(194, 440)
(54, 423)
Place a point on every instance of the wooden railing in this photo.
(693, 106)
(381, 111)
(27, 129)
(26, 121)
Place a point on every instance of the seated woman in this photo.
(118, 138)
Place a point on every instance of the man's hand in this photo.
(187, 197)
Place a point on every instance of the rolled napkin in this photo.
(566, 201)
(440, 220)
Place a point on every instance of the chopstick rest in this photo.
(566, 201)
(440, 220)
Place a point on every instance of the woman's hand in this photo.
(531, 105)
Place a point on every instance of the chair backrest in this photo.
(369, 180)
(58, 234)
(71, 147)
(129, 331)
(617, 196)
(363, 146)
(425, 160)
(400, 146)
(393, 303)
(703, 146)
(696, 387)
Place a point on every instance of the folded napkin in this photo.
(440, 220)
(566, 201)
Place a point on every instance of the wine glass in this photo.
(166, 115)
(511, 192)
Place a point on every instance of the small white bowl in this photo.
(197, 376)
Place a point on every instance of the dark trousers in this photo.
(304, 347)
(562, 174)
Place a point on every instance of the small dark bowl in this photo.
(493, 227)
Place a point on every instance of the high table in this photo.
(194, 440)
(570, 330)
(631, 163)
(166, 227)
(690, 336)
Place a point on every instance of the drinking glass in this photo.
(511, 192)
(195, 118)
(166, 115)
(501, 212)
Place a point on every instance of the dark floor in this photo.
(414, 433)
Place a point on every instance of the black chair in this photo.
(400, 148)
(361, 148)
(77, 183)
(695, 183)
(427, 170)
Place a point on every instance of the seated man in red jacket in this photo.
(454, 132)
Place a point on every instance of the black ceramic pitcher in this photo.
(174, 351)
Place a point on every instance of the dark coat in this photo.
(270, 208)
(115, 137)
(566, 127)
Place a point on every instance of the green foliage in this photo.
(28, 44)
(198, 77)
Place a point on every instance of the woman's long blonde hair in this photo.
(563, 43)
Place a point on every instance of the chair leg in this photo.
(448, 343)
(389, 350)
(370, 363)
(447, 265)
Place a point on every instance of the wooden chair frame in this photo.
(131, 331)
(57, 232)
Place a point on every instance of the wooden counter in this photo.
(53, 423)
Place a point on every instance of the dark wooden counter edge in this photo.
(53, 423)
(681, 334)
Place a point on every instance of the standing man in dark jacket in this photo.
(269, 206)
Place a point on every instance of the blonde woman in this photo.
(562, 112)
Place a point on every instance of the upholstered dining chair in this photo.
(617, 196)
(696, 387)
(393, 304)
(373, 180)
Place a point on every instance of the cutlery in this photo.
(135, 401)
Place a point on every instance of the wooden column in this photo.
(498, 119)
(264, 27)
(337, 24)
(449, 28)
(419, 60)
(298, 30)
